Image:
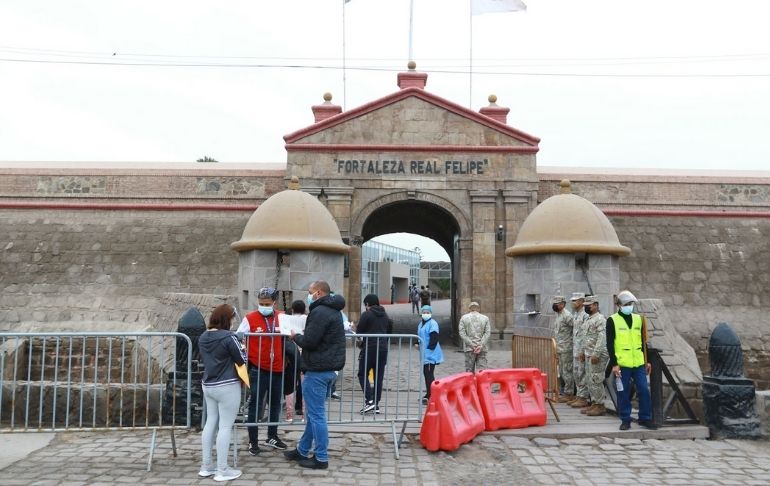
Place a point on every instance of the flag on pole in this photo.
(479, 7)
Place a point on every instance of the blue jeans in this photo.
(639, 375)
(316, 387)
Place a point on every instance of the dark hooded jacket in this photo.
(220, 350)
(374, 321)
(323, 342)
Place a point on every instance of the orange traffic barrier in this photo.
(511, 398)
(454, 414)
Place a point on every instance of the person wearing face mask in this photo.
(430, 349)
(563, 335)
(595, 347)
(579, 360)
(627, 348)
(266, 367)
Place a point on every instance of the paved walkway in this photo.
(599, 454)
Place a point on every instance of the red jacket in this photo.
(266, 353)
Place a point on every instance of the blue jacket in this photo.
(424, 330)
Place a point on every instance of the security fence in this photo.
(65, 381)
(381, 383)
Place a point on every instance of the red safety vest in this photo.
(265, 352)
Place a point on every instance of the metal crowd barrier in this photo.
(76, 381)
(399, 401)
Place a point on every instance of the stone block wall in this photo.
(91, 265)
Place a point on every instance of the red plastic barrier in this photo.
(454, 414)
(511, 398)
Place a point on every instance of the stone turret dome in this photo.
(291, 220)
(567, 223)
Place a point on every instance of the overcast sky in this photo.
(654, 84)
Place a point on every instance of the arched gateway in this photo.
(414, 162)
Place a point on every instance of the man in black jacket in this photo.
(323, 353)
(374, 351)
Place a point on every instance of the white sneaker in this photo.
(206, 471)
(227, 475)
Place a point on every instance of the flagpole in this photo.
(411, 17)
(470, 54)
(344, 71)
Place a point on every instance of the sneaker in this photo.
(625, 425)
(275, 443)
(377, 409)
(336, 396)
(312, 463)
(368, 407)
(254, 449)
(293, 455)
(227, 475)
(206, 471)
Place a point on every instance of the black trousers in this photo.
(372, 358)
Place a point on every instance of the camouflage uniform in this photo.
(563, 333)
(475, 331)
(595, 344)
(578, 338)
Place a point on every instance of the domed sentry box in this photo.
(289, 242)
(565, 245)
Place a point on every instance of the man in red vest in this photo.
(265, 355)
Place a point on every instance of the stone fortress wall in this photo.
(83, 245)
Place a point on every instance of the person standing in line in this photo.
(414, 298)
(266, 368)
(424, 296)
(627, 348)
(294, 399)
(374, 351)
(579, 358)
(430, 349)
(323, 353)
(563, 334)
(474, 333)
(595, 347)
(220, 351)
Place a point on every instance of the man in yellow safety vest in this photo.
(627, 347)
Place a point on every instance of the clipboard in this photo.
(243, 374)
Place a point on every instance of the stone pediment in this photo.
(412, 119)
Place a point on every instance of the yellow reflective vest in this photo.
(628, 341)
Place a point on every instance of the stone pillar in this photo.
(353, 296)
(485, 266)
(728, 397)
(517, 206)
(463, 261)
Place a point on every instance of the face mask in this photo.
(587, 309)
(265, 310)
(310, 299)
(627, 309)
(426, 317)
(555, 307)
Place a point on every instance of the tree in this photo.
(206, 158)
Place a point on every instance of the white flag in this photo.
(479, 7)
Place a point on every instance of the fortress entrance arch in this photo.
(414, 162)
(424, 215)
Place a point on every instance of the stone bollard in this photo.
(175, 405)
(728, 396)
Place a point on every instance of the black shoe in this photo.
(336, 396)
(254, 449)
(368, 407)
(625, 425)
(648, 424)
(312, 463)
(293, 455)
(275, 443)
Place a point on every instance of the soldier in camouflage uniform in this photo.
(474, 333)
(578, 335)
(595, 347)
(563, 335)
